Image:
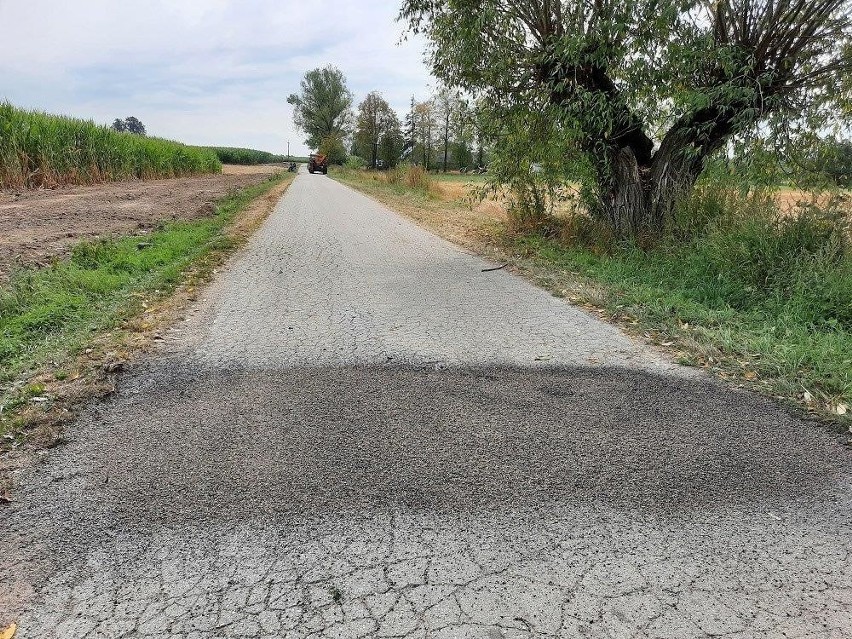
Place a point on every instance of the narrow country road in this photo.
(358, 433)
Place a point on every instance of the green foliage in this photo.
(834, 159)
(377, 134)
(422, 123)
(745, 281)
(460, 155)
(54, 310)
(354, 163)
(332, 147)
(390, 148)
(129, 124)
(646, 92)
(454, 123)
(45, 150)
(536, 183)
(233, 155)
(323, 109)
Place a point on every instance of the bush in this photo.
(532, 204)
(800, 262)
(414, 177)
(835, 161)
(717, 199)
(752, 290)
(411, 176)
(332, 147)
(731, 249)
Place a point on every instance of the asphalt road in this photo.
(358, 433)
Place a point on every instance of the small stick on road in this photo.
(496, 268)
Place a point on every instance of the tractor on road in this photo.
(318, 163)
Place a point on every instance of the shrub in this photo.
(763, 248)
(532, 204)
(332, 147)
(414, 177)
(354, 163)
(733, 249)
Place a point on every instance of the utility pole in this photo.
(375, 133)
(288, 150)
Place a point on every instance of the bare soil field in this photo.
(39, 226)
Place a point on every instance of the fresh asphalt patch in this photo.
(319, 440)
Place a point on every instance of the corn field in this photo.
(42, 150)
(233, 155)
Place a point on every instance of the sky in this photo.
(207, 72)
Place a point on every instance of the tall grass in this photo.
(765, 291)
(403, 179)
(38, 149)
(235, 155)
(413, 177)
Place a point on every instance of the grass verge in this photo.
(790, 341)
(65, 329)
(769, 344)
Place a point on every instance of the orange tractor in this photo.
(318, 163)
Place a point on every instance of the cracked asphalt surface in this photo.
(361, 434)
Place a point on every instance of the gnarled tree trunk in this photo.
(637, 198)
(625, 195)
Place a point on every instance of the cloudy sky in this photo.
(201, 71)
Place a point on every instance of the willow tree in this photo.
(323, 109)
(646, 91)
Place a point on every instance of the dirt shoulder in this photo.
(36, 404)
(40, 225)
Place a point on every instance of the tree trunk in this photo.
(446, 139)
(625, 195)
(638, 199)
(374, 152)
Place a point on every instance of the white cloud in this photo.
(202, 71)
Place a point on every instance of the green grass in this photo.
(757, 300)
(39, 149)
(52, 313)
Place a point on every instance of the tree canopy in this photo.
(377, 133)
(129, 124)
(454, 125)
(639, 94)
(323, 109)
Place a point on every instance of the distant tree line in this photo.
(441, 132)
(128, 125)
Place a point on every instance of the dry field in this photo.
(476, 214)
(39, 226)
